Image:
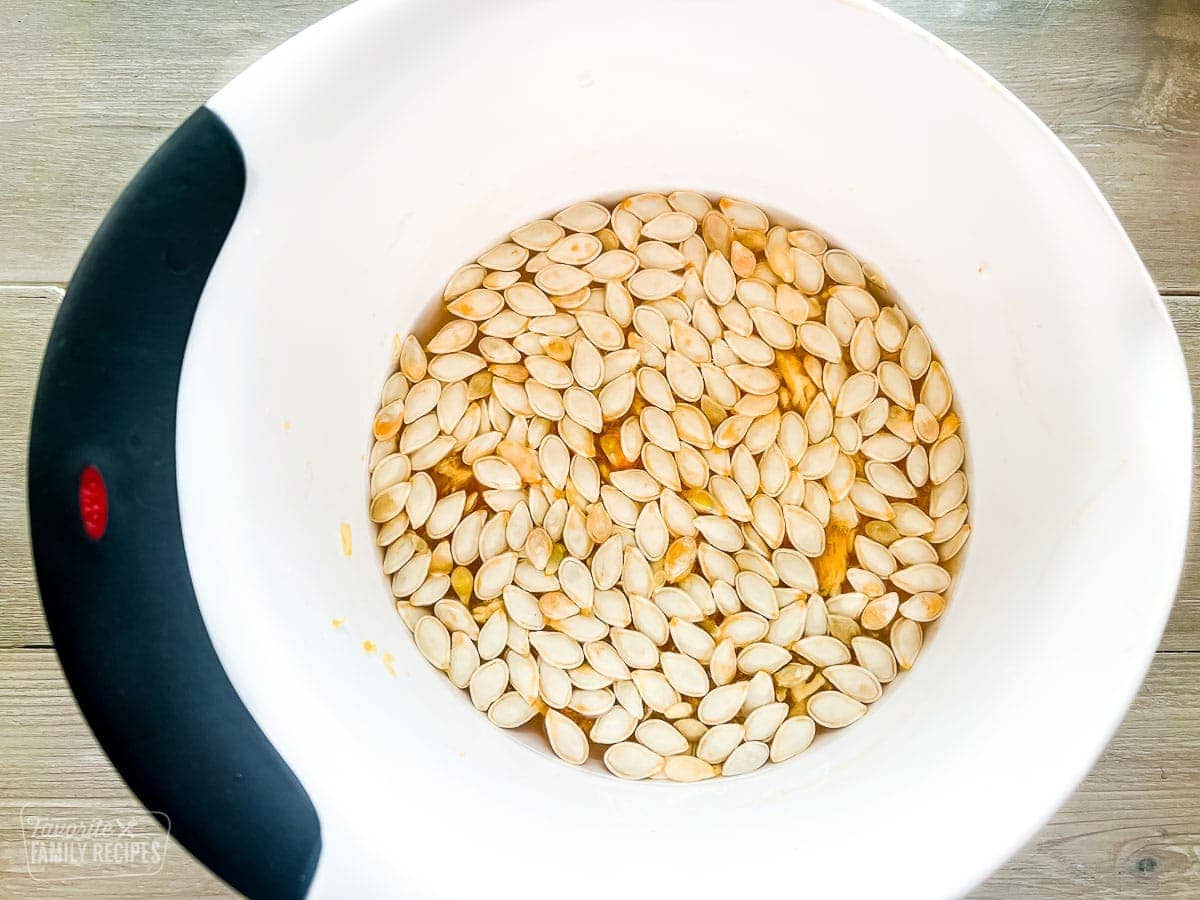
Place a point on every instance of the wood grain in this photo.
(87, 90)
(26, 314)
(50, 755)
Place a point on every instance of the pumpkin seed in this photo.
(792, 737)
(632, 761)
(642, 442)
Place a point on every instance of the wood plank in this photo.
(1183, 628)
(26, 314)
(88, 90)
(1130, 829)
(1182, 634)
(51, 756)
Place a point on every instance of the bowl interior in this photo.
(390, 143)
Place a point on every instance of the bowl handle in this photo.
(107, 540)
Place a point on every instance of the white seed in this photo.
(511, 711)
(586, 678)
(916, 354)
(945, 458)
(632, 761)
(554, 687)
(858, 391)
(720, 532)
(923, 577)
(575, 249)
(762, 657)
(880, 611)
(655, 690)
(722, 703)
(465, 279)
(747, 758)
(504, 257)
(720, 741)
(538, 236)
(692, 640)
(453, 614)
(947, 526)
(950, 548)
(647, 617)
(464, 660)
(636, 649)
(635, 484)
(612, 727)
(488, 683)
(653, 284)
(792, 737)
(743, 214)
(566, 738)
(756, 594)
(936, 393)
(604, 659)
(822, 650)
(834, 709)
(519, 604)
(876, 657)
(523, 675)
(577, 583)
(657, 255)
(493, 636)
(629, 698)
(559, 280)
(844, 268)
(723, 664)
(646, 206)
(789, 626)
(591, 703)
(671, 227)
(719, 280)
(587, 216)
(760, 691)
(685, 674)
(895, 383)
(854, 681)
(661, 737)
(627, 227)
(616, 396)
(687, 769)
(906, 639)
(763, 722)
(794, 569)
(557, 649)
(433, 640)
(451, 367)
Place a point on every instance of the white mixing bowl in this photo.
(385, 146)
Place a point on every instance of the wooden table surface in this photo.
(88, 90)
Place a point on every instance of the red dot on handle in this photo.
(93, 503)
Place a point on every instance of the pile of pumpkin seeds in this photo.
(680, 482)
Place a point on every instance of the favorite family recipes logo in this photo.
(71, 842)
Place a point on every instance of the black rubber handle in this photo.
(107, 542)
